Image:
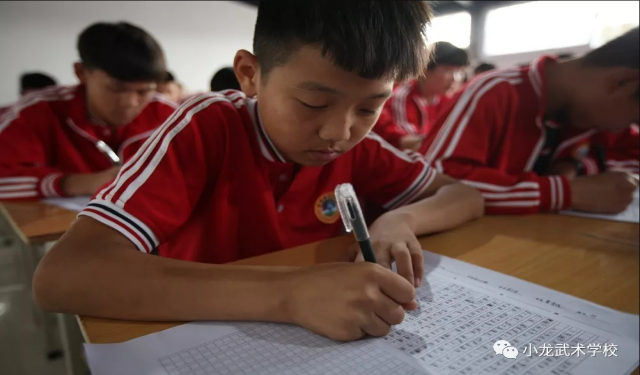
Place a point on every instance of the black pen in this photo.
(601, 157)
(354, 220)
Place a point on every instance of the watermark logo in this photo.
(576, 350)
(503, 347)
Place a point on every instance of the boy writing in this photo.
(230, 176)
(541, 138)
(67, 141)
(409, 115)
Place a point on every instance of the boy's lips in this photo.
(324, 155)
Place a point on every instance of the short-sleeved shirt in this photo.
(49, 134)
(210, 186)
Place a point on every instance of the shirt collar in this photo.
(267, 148)
(78, 109)
(538, 79)
(414, 93)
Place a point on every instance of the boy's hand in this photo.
(393, 238)
(345, 301)
(607, 193)
(411, 142)
(87, 184)
(563, 168)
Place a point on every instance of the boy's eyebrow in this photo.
(315, 86)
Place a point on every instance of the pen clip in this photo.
(105, 149)
(348, 205)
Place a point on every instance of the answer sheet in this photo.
(630, 215)
(471, 321)
(76, 204)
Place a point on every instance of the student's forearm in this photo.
(125, 284)
(450, 206)
(76, 185)
(87, 184)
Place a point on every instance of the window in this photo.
(543, 25)
(613, 20)
(537, 26)
(453, 28)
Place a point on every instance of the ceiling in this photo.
(444, 7)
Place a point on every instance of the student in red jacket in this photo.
(170, 88)
(69, 141)
(408, 116)
(232, 176)
(540, 138)
(32, 81)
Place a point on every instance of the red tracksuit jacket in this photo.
(48, 134)
(407, 112)
(494, 135)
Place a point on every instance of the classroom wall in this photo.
(198, 37)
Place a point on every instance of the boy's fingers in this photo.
(400, 253)
(382, 258)
(411, 306)
(396, 287)
(376, 327)
(389, 310)
(415, 249)
(355, 249)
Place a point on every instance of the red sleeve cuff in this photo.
(555, 193)
(141, 235)
(50, 186)
(629, 166)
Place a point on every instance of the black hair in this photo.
(621, 51)
(35, 81)
(374, 39)
(224, 79)
(124, 51)
(445, 53)
(168, 77)
(483, 67)
(565, 56)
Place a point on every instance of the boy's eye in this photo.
(117, 89)
(145, 92)
(368, 112)
(313, 106)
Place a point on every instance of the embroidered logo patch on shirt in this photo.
(581, 151)
(326, 208)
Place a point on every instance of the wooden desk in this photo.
(591, 259)
(29, 226)
(35, 222)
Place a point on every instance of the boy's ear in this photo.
(80, 71)
(247, 70)
(623, 81)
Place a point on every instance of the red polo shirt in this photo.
(495, 138)
(48, 134)
(210, 186)
(407, 112)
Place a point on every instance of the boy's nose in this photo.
(337, 130)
